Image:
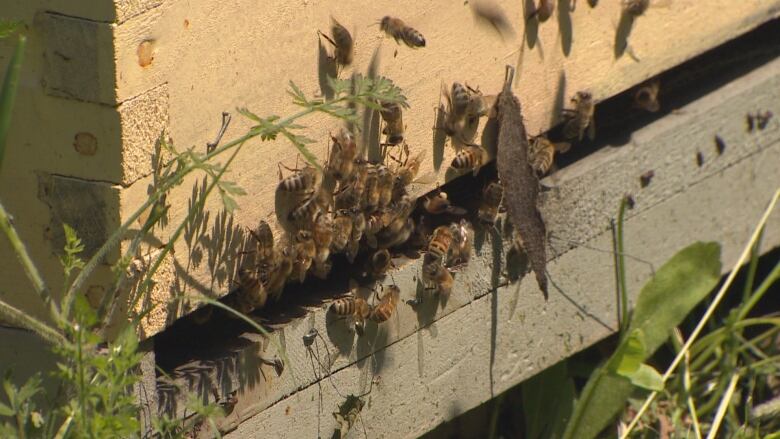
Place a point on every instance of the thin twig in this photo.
(225, 122)
(710, 310)
(19, 317)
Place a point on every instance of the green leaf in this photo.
(647, 377)
(629, 355)
(5, 410)
(678, 286)
(548, 401)
(8, 27)
(8, 93)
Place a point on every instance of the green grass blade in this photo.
(8, 93)
(548, 402)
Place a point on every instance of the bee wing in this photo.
(562, 147)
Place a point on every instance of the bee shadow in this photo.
(427, 305)
(564, 26)
(560, 98)
(373, 336)
(622, 33)
(439, 138)
(340, 333)
(326, 69)
(531, 24)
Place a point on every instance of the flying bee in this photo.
(439, 245)
(342, 231)
(351, 306)
(439, 203)
(646, 96)
(437, 278)
(392, 114)
(462, 239)
(371, 191)
(541, 153)
(635, 8)
(358, 228)
(342, 40)
(379, 262)
(305, 251)
(492, 195)
(382, 311)
(581, 117)
(342, 157)
(470, 158)
(544, 10)
(396, 28)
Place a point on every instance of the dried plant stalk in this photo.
(521, 186)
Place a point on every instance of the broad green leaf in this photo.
(678, 286)
(8, 27)
(548, 401)
(647, 377)
(5, 410)
(8, 93)
(629, 355)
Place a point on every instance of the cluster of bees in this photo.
(356, 207)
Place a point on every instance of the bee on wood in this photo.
(541, 153)
(437, 278)
(470, 158)
(396, 28)
(342, 157)
(375, 221)
(342, 230)
(343, 43)
(492, 195)
(305, 251)
(635, 8)
(252, 293)
(354, 307)
(379, 262)
(382, 311)
(301, 182)
(371, 190)
(543, 11)
(439, 204)
(646, 96)
(646, 178)
(392, 114)
(322, 233)
(457, 103)
(278, 276)
(462, 241)
(302, 216)
(396, 233)
(406, 172)
(384, 187)
(580, 118)
(264, 242)
(439, 245)
(358, 228)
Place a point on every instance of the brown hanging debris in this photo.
(521, 186)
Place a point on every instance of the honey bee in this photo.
(396, 233)
(439, 245)
(342, 230)
(470, 158)
(278, 276)
(457, 103)
(544, 10)
(635, 8)
(396, 28)
(386, 306)
(342, 157)
(541, 153)
(301, 182)
(252, 293)
(646, 96)
(342, 41)
(354, 307)
(379, 262)
(322, 233)
(374, 224)
(394, 123)
(462, 239)
(303, 215)
(264, 241)
(439, 204)
(406, 172)
(581, 117)
(358, 227)
(492, 196)
(437, 278)
(305, 251)
(371, 191)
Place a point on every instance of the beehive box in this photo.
(103, 79)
